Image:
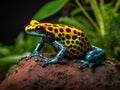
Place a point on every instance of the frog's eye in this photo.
(38, 28)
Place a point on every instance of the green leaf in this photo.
(13, 59)
(75, 12)
(98, 16)
(49, 9)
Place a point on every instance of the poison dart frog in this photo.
(67, 41)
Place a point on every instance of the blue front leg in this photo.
(36, 50)
(61, 52)
(39, 46)
(93, 57)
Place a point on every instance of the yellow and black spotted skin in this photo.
(73, 39)
(67, 41)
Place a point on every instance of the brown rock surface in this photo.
(30, 75)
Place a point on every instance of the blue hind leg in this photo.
(93, 57)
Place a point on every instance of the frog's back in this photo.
(75, 40)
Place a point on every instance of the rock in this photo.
(30, 75)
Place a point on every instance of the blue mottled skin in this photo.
(93, 55)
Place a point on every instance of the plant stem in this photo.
(98, 16)
(86, 14)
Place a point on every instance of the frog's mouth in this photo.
(35, 33)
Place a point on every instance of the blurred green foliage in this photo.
(49, 9)
(99, 20)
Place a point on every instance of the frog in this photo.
(68, 41)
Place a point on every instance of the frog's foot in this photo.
(93, 57)
(31, 55)
(50, 61)
(84, 64)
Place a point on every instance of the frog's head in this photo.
(35, 29)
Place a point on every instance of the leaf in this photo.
(49, 9)
(13, 59)
(75, 12)
(98, 16)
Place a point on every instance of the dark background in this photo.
(16, 14)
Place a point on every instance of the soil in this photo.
(30, 75)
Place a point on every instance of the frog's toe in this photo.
(46, 59)
(84, 64)
(49, 61)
